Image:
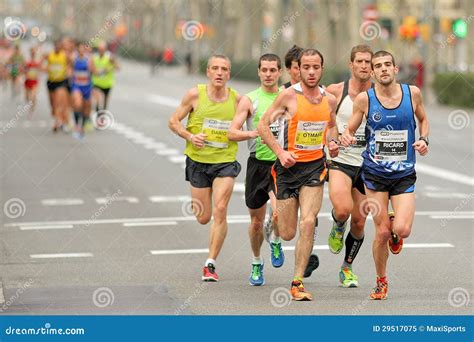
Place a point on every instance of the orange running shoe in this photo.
(298, 292)
(395, 243)
(380, 291)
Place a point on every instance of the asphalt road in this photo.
(104, 227)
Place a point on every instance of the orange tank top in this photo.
(305, 133)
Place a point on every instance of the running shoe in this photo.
(66, 128)
(298, 292)
(395, 243)
(336, 237)
(347, 278)
(277, 255)
(313, 264)
(256, 277)
(380, 291)
(88, 126)
(209, 273)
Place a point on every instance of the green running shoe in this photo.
(347, 278)
(336, 237)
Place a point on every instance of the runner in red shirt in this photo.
(31, 69)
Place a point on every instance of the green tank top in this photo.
(105, 69)
(212, 119)
(261, 101)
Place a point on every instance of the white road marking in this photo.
(444, 174)
(61, 255)
(147, 224)
(163, 100)
(155, 146)
(183, 218)
(167, 152)
(427, 245)
(456, 195)
(453, 217)
(177, 159)
(62, 201)
(433, 188)
(52, 226)
(105, 200)
(179, 251)
(167, 199)
(239, 187)
(292, 248)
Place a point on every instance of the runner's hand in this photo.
(347, 139)
(198, 140)
(333, 148)
(287, 159)
(253, 134)
(421, 147)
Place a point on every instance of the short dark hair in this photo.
(270, 57)
(361, 48)
(382, 53)
(310, 52)
(292, 55)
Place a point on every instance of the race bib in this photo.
(309, 135)
(81, 77)
(32, 74)
(101, 72)
(55, 70)
(391, 145)
(360, 139)
(216, 131)
(275, 129)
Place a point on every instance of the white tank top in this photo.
(351, 155)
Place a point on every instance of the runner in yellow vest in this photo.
(104, 79)
(57, 69)
(211, 165)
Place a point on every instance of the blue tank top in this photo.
(81, 74)
(390, 134)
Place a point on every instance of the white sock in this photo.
(210, 261)
(257, 260)
(274, 238)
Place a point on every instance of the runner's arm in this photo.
(359, 109)
(336, 90)
(332, 133)
(44, 63)
(244, 108)
(423, 124)
(278, 109)
(186, 106)
(114, 63)
(92, 67)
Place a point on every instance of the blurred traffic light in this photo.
(460, 28)
(409, 29)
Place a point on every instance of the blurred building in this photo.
(437, 32)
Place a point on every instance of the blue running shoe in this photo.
(256, 277)
(277, 255)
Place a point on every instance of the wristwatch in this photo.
(426, 140)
